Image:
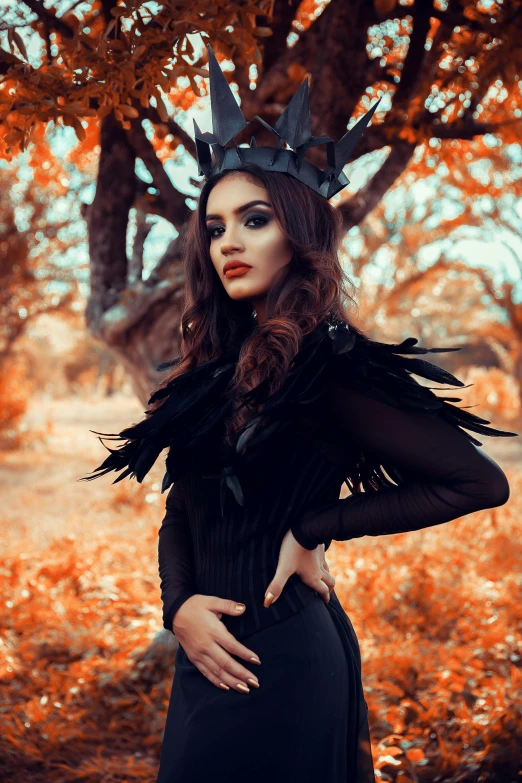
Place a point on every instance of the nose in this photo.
(231, 243)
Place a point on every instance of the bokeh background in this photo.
(97, 179)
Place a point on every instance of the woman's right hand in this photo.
(207, 642)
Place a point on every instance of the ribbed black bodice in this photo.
(235, 555)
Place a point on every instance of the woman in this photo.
(275, 400)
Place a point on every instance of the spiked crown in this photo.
(292, 128)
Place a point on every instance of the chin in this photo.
(241, 291)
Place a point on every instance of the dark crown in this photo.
(292, 128)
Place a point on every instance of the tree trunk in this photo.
(138, 320)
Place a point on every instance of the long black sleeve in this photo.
(175, 556)
(447, 475)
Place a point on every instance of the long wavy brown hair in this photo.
(314, 287)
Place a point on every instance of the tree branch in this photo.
(143, 229)
(356, 208)
(171, 261)
(456, 19)
(469, 130)
(48, 17)
(151, 113)
(176, 208)
(7, 60)
(106, 6)
(281, 26)
(339, 64)
(412, 66)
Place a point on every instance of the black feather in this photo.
(375, 368)
(190, 420)
(194, 407)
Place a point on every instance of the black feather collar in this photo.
(190, 421)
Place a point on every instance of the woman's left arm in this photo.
(448, 475)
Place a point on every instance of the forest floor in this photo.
(88, 668)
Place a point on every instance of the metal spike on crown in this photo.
(292, 128)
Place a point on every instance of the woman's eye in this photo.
(257, 217)
(259, 220)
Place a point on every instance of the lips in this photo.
(235, 268)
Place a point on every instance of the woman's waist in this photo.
(240, 562)
(295, 596)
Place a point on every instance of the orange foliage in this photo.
(438, 615)
(84, 697)
(494, 392)
(14, 393)
(118, 59)
(27, 251)
(143, 51)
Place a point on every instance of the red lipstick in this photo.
(235, 268)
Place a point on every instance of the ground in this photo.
(437, 612)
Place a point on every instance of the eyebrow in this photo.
(238, 210)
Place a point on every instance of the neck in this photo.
(259, 306)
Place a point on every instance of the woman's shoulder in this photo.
(386, 372)
(184, 416)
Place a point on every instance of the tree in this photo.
(448, 72)
(32, 239)
(468, 193)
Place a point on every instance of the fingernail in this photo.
(225, 687)
(253, 682)
(240, 607)
(268, 599)
(256, 660)
(242, 687)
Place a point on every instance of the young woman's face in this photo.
(242, 227)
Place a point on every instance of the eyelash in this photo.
(254, 217)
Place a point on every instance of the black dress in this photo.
(349, 411)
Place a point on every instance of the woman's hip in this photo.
(291, 651)
(302, 677)
(299, 709)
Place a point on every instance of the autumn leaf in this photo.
(384, 6)
(160, 105)
(128, 111)
(15, 38)
(415, 754)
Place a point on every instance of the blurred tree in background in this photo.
(122, 75)
(29, 235)
(474, 194)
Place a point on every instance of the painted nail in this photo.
(242, 687)
(253, 682)
(225, 687)
(240, 607)
(255, 660)
(269, 597)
